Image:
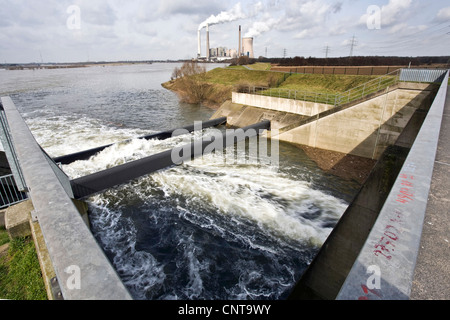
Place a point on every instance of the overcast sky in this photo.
(111, 30)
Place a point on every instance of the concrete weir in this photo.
(372, 251)
(362, 129)
(97, 182)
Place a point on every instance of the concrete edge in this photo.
(47, 271)
(384, 269)
(83, 270)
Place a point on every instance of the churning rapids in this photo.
(201, 230)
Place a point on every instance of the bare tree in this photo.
(193, 82)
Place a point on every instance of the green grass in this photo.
(328, 84)
(20, 273)
(236, 68)
(231, 77)
(260, 66)
(224, 80)
(4, 238)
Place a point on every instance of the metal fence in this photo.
(368, 88)
(422, 75)
(9, 194)
(360, 92)
(339, 70)
(318, 97)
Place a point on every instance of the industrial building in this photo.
(245, 48)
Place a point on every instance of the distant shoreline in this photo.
(34, 66)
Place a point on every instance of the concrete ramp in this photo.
(363, 128)
(367, 128)
(240, 116)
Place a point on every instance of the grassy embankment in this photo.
(220, 82)
(20, 273)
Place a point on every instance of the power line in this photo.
(327, 51)
(353, 44)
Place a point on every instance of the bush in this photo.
(192, 84)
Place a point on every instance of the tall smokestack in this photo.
(199, 45)
(207, 42)
(239, 51)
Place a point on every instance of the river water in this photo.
(202, 230)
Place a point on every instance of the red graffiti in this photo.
(366, 291)
(386, 245)
(398, 215)
(406, 194)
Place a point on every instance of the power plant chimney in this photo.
(199, 45)
(207, 42)
(247, 47)
(239, 51)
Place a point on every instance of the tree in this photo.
(176, 73)
(192, 82)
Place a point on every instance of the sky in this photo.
(113, 30)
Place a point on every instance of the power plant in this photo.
(245, 48)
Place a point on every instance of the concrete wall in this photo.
(395, 239)
(239, 115)
(306, 108)
(327, 273)
(365, 129)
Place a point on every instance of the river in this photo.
(202, 230)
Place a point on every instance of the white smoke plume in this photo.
(260, 27)
(233, 14)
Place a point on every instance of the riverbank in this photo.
(214, 87)
(220, 82)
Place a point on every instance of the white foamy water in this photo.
(287, 211)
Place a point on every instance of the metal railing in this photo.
(368, 88)
(318, 97)
(422, 75)
(9, 193)
(335, 99)
(360, 92)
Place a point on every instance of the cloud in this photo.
(390, 14)
(404, 29)
(198, 7)
(307, 16)
(260, 27)
(443, 15)
(97, 13)
(167, 29)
